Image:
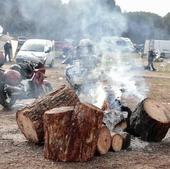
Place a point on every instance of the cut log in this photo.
(117, 118)
(150, 121)
(72, 135)
(120, 140)
(104, 140)
(117, 141)
(30, 119)
(121, 125)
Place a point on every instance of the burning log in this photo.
(120, 140)
(71, 134)
(104, 140)
(150, 121)
(30, 119)
(116, 115)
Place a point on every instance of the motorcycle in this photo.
(23, 81)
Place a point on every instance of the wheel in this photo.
(7, 101)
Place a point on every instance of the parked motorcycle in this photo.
(23, 81)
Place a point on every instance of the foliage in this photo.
(52, 19)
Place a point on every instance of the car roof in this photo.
(38, 41)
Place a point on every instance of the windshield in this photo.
(33, 47)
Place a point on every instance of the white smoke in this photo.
(65, 1)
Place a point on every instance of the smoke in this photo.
(110, 69)
(60, 19)
(117, 75)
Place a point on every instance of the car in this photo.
(116, 44)
(37, 50)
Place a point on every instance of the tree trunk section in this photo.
(72, 135)
(104, 140)
(120, 140)
(117, 141)
(30, 118)
(150, 121)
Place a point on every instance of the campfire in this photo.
(75, 131)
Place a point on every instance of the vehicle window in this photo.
(33, 47)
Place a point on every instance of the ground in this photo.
(17, 153)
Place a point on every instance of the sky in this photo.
(160, 7)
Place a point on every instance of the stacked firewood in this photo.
(75, 131)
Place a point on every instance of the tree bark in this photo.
(30, 118)
(71, 135)
(150, 121)
(104, 140)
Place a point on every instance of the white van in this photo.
(162, 47)
(37, 50)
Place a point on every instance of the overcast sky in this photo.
(160, 7)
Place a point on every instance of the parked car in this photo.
(37, 50)
(116, 44)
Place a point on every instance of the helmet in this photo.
(12, 77)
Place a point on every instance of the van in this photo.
(37, 50)
(162, 47)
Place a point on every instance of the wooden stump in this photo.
(71, 135)
(30, 119)
(104, 140)
(150, 121)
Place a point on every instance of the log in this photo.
(117, 141)
(120, 140)
(30, 118)
(104, 140)
(117, 118)
(71, 135)
(122, 125)
(150, 121)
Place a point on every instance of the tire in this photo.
(7, 101)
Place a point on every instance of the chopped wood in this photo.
(104, 140)
(150, 121)
(30, 118)
(117, 142)
(120, 140)
(71, 135)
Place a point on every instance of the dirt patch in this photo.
(17, 153)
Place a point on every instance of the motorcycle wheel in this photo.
(8, 101)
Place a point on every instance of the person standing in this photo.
(7, 50)
(151, 57)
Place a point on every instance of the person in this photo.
(151, 57)
(7, 50)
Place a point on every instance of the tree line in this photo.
(93, 18)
